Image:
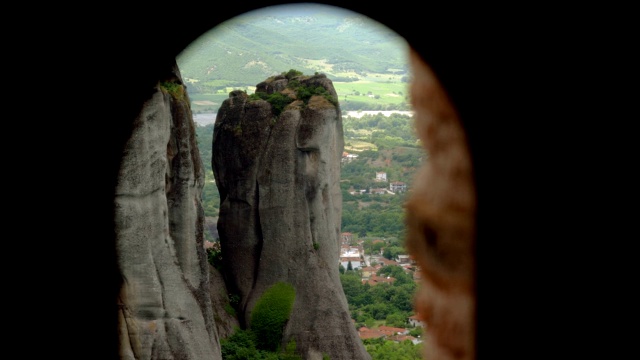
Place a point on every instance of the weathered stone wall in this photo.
(165, 304)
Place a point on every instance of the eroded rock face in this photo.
(280, 212)
(165, 307)
(441, 228)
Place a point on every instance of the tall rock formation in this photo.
(278, 171)
(165, 305)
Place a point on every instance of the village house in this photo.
(368, 271)
(358, 192)
(351, 254)
(415, 320)
(351, 250)
(381, 176)
(390, 331)
(366, 333)
(404, 259)
(377, 258)
(346, 157)
(397, 186)
(384, 261)
(378, 191)
(347, 238)
(375, 280)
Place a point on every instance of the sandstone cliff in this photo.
(278, 173)
(165, 306)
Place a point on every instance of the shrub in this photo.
(214, 256)
(270, 315)
(279, 101)
(176, 90)
(292, 73)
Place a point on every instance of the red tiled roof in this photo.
(366, 333)
(387, 261)
(392, 329)
(375, 279)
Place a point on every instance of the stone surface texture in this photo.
(280, 212)
(165, 305)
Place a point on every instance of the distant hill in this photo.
(348, 47)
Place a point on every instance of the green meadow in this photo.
(358, 95)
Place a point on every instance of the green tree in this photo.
(379, 349)
(270, 314)
(392, 252)
(396, 319)
(241, 345)
(351, 285)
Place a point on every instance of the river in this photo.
(205, 119)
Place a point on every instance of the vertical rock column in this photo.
(165, 305)
(289, 185)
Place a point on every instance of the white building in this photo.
(397, 186)
(351, 254)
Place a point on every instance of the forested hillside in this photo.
(366, 61)
(345, 46)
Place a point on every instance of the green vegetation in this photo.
(214, 256)
(366, 61)
(302, 92)
(241, 345)
(391, 303)
(277, 100)
(176, 90)
(381, 349)
(210, 194)
(270, 315)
